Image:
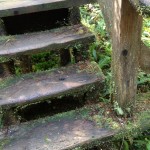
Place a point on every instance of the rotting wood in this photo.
(126, 39)
(144, 58)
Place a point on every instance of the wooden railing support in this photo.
(124, 25)
(126, 39)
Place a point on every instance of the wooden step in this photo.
(38, 86)
(45, 40)
(80, 128)
(61, 132)
(18, 7)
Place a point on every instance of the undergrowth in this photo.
(100, 52)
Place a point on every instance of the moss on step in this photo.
(98, 114)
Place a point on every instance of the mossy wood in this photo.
(61, 132)
(78, 128)
(33, 87)
(44, 41)
(18, 7)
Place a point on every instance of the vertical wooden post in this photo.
(7, 67)
(74, 15)
(126, 40)
(64, 57)
(74, 18)
(2, 27)
(25, 64)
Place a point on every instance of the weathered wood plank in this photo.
(61, 132)
(78, 128)
(44, 41)
(144, 58)
(39, 86)
(17, 7)
(126, 39)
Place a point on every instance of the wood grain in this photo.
(40, 86)
(44, 41)
(126, 40)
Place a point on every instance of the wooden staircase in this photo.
(67, 130)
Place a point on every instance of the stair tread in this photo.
(44, 40)
(17, 7)
(38, 86)
(60, 132)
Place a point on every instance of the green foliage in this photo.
(100, 52)
(45, 61)
(143, 82)
(118, 109)
(146, 31)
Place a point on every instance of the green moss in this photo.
(3, 142)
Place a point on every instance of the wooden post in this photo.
(74, 18)
(2, 28)
(7, 69)
(126, 40)
(74, 15)
(6, 65)
(64, 57)
(25, 64)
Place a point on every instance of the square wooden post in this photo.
(126, 40)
